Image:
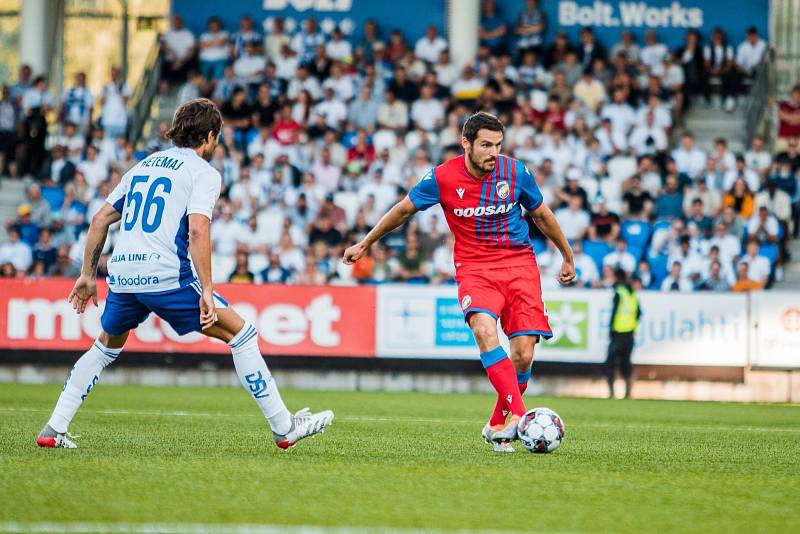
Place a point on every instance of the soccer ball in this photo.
(540, 430)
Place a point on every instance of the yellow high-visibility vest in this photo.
(626, 319)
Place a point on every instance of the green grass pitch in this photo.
(194, 456)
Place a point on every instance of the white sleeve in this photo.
(205, 192)
(117, 197)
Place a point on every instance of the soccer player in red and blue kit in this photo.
(482, 194)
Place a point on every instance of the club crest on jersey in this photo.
(502, 189)
(465, 302)
(460, 192)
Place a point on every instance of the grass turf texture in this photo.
(404, 460)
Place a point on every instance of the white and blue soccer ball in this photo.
(541, 430)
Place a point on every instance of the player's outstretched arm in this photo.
(547, 223)
(395, 217)
(85, 287)
(200, 251)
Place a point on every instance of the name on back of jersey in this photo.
(165, 162)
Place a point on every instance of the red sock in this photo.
(503, 377)
(500, 412)
(522, 387)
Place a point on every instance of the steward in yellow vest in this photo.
(625, 314)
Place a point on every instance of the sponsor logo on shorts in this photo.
(466, 302)
(132, 281)
(502, 189)
(483, 210)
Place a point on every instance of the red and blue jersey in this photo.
(484, 214)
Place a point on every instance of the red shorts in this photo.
(511, 294)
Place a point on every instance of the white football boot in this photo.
(500, 437)
(51, 439)
(304, 424)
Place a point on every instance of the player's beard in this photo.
(485, 166)
(209, 152)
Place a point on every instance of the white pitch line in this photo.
(433, 420)
(202, 528)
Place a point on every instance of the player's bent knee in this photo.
(522, 359)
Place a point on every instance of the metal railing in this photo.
(145, 91)
(762, 96)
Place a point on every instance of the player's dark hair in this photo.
(480, 121)
(192, 122)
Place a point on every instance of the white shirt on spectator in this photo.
(750, 177)
(758, 267)
(427, 114)
(749, 56)
(19, 254)
(770, 226)
(692, 162)
(653, 56)
(94, 171)
(758, 160)
(115, 111)
(443, 261)
(249, 68)
(310, 84)
(333, 111)
(384, 194)
(286, 67)
(338, 50)
(428, 50)
(343, 87)
(217, 52)
(179, 43)
(729, 247)
(33, 98)
(622, 117)
(222, 233)
(684, 285)
(326, 176)
(623, 259)
(661, 116)
(691, 263)
(641, 134)
(585, 268)
(573, 223)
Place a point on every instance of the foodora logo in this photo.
(570, 323)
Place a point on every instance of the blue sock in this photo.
(493, 356)
(523, 377)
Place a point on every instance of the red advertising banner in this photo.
(291, 320)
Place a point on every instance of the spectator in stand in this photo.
(444, 270)
(690, 57)
(669, 204)
(57, 169)
(8, 131)
(740, 198)
(743, 281)
(720, 70)
(715, 281)
(627, 47)
(493, 29)
(778, 204)
(250, 67)
(193, 87)
(245, 37)
(691, 262)
(427, 112)
(763, 226)
(113, 103)
(636, 203)
(178, 46)
(590, 49)
(653, 53)
(573, 219)
(728, 245)
(323, 230)
(429, 47)
(789, 116)
(750, 54)
(15, 251)
(275, 273)
(214, 50)
(590, 91)
(77, 105)
(689, 159)
(241, 273)
(697, 216)
(530, 28)
(305, 42)
(620, 258)
(675, 281)
(604, 225)
(757, 158)
(36, 104)
(44, 251)
(742, 171)
(758, 266)
(275, 39)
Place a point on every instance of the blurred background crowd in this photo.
(325, 131)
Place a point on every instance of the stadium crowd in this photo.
(324, 132)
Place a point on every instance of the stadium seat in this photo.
(658, 267)
(661, 224)
(596, 250)
(636, 234)
(611, 189)
(590, 185)
(222, 267)
(770, 251)
(257, 263)
(54, 196)
(620, 168)
(270, 221)
(636, 251)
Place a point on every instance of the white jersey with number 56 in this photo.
(155, 199)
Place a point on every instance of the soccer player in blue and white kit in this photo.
(165, 204)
